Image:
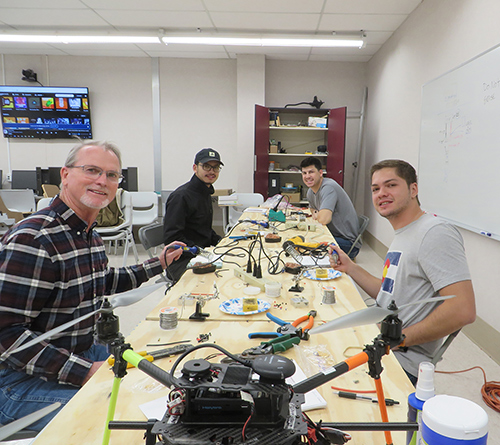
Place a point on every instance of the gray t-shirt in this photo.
(424, 257)
(333, 197)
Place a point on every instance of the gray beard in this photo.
(85, 200)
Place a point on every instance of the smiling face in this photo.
(312, 177)
(392, 197)
(86, 195)
(210, 176)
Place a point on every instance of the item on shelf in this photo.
(321, 149)
(319, 122)
(271, 166)
(273, 148)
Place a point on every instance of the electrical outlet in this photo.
(9, 178)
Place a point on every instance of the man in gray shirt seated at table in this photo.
(330, 205)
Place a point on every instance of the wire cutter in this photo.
(278, 344)
(288, 328)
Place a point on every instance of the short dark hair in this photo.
(311, 160)
(403, 169)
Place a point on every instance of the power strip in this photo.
(250, 279)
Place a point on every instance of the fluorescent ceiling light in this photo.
(266, 41)
(76, 39)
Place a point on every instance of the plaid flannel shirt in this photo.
(52, 271)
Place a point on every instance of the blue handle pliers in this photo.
(288, 328)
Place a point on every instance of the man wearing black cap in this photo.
(188, 212)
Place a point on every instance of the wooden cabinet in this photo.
(297, 140)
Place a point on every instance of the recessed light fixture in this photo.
(76, 39)
(295, 41)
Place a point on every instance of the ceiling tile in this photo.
(371, 6)
(50, 18)
(266, 21)
(266, 6)
(156, 19)
(147, 5)
(367, 22)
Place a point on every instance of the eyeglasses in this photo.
(208, 167)
(91, 171)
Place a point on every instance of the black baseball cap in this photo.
(207, 154)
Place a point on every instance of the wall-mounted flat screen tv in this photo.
(45, 112)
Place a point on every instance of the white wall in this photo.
(204, 103)
(438, 36)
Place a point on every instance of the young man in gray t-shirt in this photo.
(330, 205)
(425, 259)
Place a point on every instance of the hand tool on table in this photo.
(160, 353)
(352, 395)
(195, 250)
(288, 328)
(278, 344)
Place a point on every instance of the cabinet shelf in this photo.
(296, 138)
(301, 155)
(297, 128)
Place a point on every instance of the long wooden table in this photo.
(82, 420)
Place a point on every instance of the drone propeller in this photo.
(120, 300)
(18, 425)
(369, 315)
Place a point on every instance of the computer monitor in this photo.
(24, 179)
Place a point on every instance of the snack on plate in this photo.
(321, 273)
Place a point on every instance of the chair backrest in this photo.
(125, 200)
(151, 236)
(144, 208)
(363, 224)
(244, 200)
(42, 203)
(50, 190)
(19, 200)
(17, 216)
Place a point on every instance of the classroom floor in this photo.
(462, 353)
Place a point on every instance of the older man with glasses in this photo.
(53, 269)
(188, 213)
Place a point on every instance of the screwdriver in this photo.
(352, 395)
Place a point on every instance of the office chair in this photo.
(122, 231)
(50, 190)
(363, 224)
(151, 237)
(244, 200)
(144, 208)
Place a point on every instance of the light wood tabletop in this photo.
(82, 420)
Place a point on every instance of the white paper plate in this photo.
(332, 273)
(234, 306)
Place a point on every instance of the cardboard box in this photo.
(293, 197)
(223, 192)
(273, 149)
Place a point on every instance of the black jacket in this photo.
(188, 215)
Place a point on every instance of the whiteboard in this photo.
(459, 158)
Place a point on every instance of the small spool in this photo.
(328, 295)
(168, 318)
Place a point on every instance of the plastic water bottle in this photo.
(424, 391)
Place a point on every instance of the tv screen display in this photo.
(45, 112)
